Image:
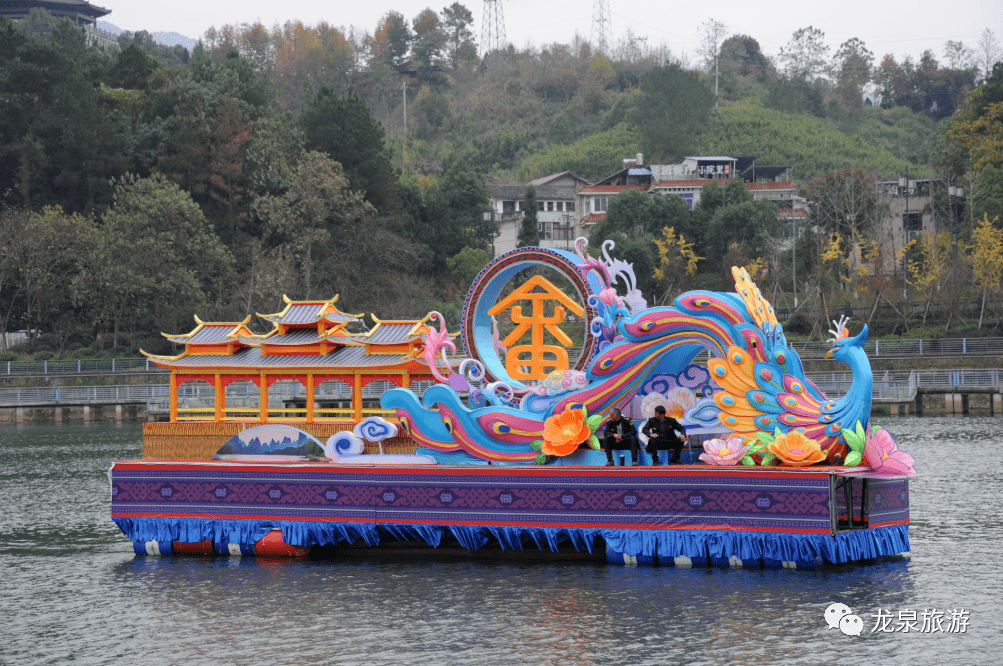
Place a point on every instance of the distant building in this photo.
(908, 214)
(80, 12)
(686, 180)
(556, 217)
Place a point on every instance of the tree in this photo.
(672, 108)
(466, 196)
(344, 128)
(982, 137)
(465, 266)
(806, 55)
(460, 45)
(132, 68)
(155, 256)
(712, 35)
(429, 38)
(852, 70)
(561, 130)
(53, 245)
(988, 52)
(529, 230)
(391, 41)
(307, 216)
(987, 258)
(958, 56)
(677, 262)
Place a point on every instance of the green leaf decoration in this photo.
(536, 445)
(541, 459)
(855, 438)
(765, 437)
(594, 442)
(594, 422)
(853, 459)
(747, 460)
(585, 411)
(756, 448)
(768, 460)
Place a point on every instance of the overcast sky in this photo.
(896, 27)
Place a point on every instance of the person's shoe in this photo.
(609, 463)
(655, 461)
(633, 463)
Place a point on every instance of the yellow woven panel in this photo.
(199, 441)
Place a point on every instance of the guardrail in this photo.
(36, 396)
(83, 366)
(931, 348)
(889, 386)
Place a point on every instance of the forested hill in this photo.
(142, 184)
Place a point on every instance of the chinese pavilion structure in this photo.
(310, 343)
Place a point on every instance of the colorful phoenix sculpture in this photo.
(761, 388)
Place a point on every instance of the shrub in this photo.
(80, 340)
(9, 356)
(84, 352)
(45, 356)
(799, 324)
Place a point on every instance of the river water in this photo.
(72, 590)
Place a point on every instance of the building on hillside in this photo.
(80, 12)
(908, 213)
(556, 216)
(686, 180)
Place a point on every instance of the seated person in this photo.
(620, 435)
(661, 433)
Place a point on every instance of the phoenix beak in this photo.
(828, 354)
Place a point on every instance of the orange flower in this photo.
(796, 450)
(562, 433)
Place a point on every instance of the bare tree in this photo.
(958, 56)
(713, 34)
(988, 52)
(806, 55)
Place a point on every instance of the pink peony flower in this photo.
(883, 455)
(609, 297)
(721, 452)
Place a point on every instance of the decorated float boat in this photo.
(497, 453)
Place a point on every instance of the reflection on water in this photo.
(72, 589)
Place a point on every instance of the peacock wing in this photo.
(759, 308)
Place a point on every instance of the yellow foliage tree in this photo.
(982, 137)
(987, 257)
(929, 261)
(676, 261)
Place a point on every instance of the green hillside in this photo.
(813, 146)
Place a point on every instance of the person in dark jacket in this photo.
(661, 433)
(619, 435)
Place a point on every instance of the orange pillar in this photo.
(357, 397)
(174, 397)
(263, 391)
(309, 397)
(220, 401)
(406, 380)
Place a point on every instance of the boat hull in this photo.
(667, 514)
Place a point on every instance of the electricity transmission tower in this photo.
(494, 44)
(602, 28)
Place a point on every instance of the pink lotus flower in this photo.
(883, 455)
(721, 452)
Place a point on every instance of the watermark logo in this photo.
(839, 616)
(928, 621)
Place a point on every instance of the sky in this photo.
(900, 28)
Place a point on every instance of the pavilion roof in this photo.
(309, 312)
(250, 359)
(214, 332)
